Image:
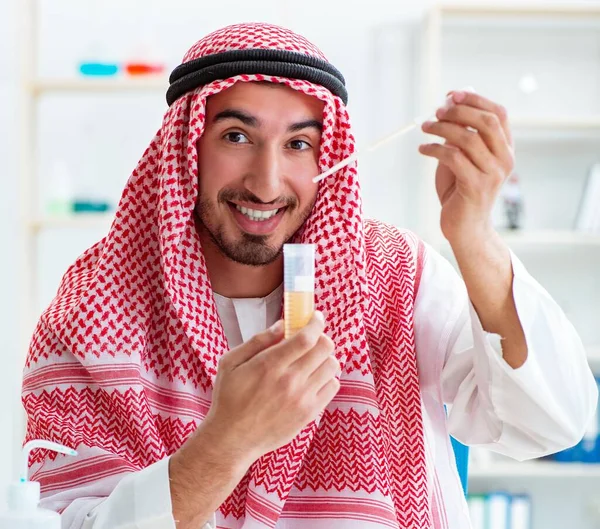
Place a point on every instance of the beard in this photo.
(248, 249)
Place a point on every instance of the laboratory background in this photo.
(82, 93)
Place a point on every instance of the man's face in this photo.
(257, 157)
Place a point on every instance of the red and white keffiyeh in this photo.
(122, 363)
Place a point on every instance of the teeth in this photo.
(254, 214)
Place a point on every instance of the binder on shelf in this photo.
(588, 215)
(520, 512)
(500, 510)
(477, 510)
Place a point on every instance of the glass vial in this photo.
(299, 286)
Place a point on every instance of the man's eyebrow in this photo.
(232, 113)
(251, 121)
(309, 123)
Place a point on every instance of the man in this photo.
(162, 359)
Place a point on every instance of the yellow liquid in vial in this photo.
(298, 308)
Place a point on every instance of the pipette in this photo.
(354, 156)
(416, 122)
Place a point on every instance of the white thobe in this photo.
(542, 407)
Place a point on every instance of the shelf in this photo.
(529, 18)
(556, 122)
(108, 84)
(537, 241)
(82, 220)
(556, 128)
(519, 9)
(562, 238)
(535, 469)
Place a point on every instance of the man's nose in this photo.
(265, 178)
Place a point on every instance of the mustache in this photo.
(231, 195)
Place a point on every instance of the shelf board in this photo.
(537, 241)
(510, 18)
(108, 84)
(535, 469)
(80, 220)
(557, 123)
(551, 237)
(555, 129)
(544, 10)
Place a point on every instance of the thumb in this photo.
(258, 343)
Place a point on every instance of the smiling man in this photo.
(162, 358)
(256, 160)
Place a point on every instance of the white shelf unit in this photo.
(33, 224)
(529, 126)
(492, 48)
(34, 89)
(557, 139)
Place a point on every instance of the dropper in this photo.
(48, 445)
(416, 122)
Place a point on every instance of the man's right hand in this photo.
(268, 389)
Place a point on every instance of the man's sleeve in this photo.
(543, 406)
(140, 500)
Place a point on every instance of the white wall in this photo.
(10, 372)
(345, 30)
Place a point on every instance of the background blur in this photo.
(69, 138)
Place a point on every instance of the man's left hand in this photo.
(473, 164)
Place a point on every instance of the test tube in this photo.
(298, 285)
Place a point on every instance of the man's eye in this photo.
(299, 145)
(236, 137)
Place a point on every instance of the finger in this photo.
(471, 143)
(486, 123)
(453, 158)
(327, 392)
(323, 374)
(308, 363)
(478, 101)
(288, 351)
(257, 344)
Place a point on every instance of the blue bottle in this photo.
(98, 69)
